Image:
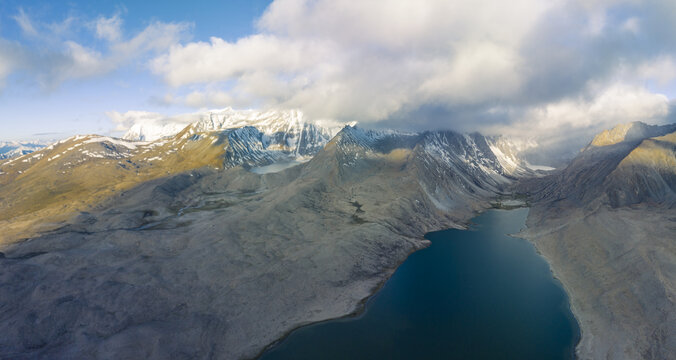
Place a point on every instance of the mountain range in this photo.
(9, 149)
(222, 236)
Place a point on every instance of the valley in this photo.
(338, 179)
(180, 246)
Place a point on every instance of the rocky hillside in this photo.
(606, 223)
(188, 253)
(588, 179)
(40, 190)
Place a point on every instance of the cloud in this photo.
(391, 57)
(198, 99)
(477, 72)
(661, 70)
(25, 23)
(219, 60)
(149, 126)
(525, 67)
(400, 24)
(479, 65)
(597, 110)
(123, 121)
(54, 53)
(632, 25)
(12, 58)
(109, 28)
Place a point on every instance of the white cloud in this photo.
(402, 24)
(144, 125)
(661, 70)
(477, 72)
(602, 108)
(219, 60)
(82, 62)
(25, 23)
(76, 61)
(123, 121)
(364, 61)
(55, 54)
(530, 65)
(154, 38)
(550, 70)
(109, 28)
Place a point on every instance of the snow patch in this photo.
(540, 167)
(126, 143)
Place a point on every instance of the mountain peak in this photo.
(269, 122)
(630, 132)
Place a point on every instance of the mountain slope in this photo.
(606, 223)
(224, 262)
(646, 175)
(50, 185)
(586, 180)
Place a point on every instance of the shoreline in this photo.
(571, 307)
(362, 307)
(359, 309)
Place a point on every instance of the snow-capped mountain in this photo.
(473, 152)
(449, 169)
(286, 130)
(452, 168)
(192, 207)
(511, 154)
(190, 210)
(11, 149)
(283, 133)
(224, 139)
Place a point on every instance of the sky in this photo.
(556, 71)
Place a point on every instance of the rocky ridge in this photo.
(207, 258)
(43, 189)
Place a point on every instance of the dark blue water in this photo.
(473, 294)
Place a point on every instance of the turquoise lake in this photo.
(473, 294)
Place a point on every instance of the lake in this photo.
(473, 294)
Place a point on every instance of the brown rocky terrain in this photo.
(186, 247)
(222, 262)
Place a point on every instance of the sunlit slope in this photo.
(647, 174)
(630, 132)
(606, 224)
(628, 164)
(50, 185)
